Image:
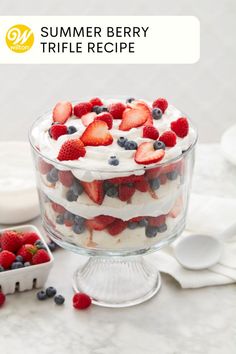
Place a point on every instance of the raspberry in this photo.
(180, 127)
(149, 131)
(116, 110)
(96, 102)
(2, 298)
(107, 118)
(57, 130)
(160, 103)
(82, 108)
(81, 301)
(168, 138)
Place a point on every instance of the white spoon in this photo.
(202, 251)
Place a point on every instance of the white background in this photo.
(206, 90)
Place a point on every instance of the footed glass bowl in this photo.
(114, 218)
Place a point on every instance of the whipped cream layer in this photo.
(94, 165)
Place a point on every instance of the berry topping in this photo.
(81, 301)
(88, 118)
(100, 109)
(125, 180)
(142, 185)
(82, 108)
(133, 118)
(6, 259)
(99, 222)
(97, 134)
(168, 138)
(44, 167)
(62, 111)
(29, 237)
(146, 154)
(57, 130)
(159, 145)
(94, 190)
(51, 291)
(41, 256)
(96, 102)
(149, 131)
(71, 129)
(113, 161)
(107, 118)
(180, 127)
(126, 191)
(116, 227)
(71, 150)
(2, 298)
(160, 103)
(116, 109)
(66, 178)
(26, 252)
(11, 241)
(121, 141)
(157, 113)
(130, 145)
(59, 300)
(145, 109)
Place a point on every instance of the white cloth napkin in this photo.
(211, 216)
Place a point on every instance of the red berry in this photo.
(27, 251)
(146, 110)
(142, 185)
(105, 117)
(88, 118)
(41, 256)
(81, 301)
(66, 178)
(125, 192)
(133, 118)
(6, 259)
(149, 131)
(29, 238)
(163, 179)
(116, 109)
(168, 138)
(160, 103)
(96, 134)
(136, 219)
(11, 241)
(2, 298)
(62, 111)
(68, 223)
(44, 167)
(57, 130)
(146, 154)
(96, 102)
(127, 179)
(72, 149)
(58, 208)
(180, 127)
(157, 221)
(116, 227)
(94, 190)
(100, 222)
(153, 172)
(82, 108)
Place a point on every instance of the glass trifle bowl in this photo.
(113, 179)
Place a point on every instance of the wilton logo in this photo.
(19, 38)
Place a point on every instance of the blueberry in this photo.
(162, 228)
(59, 299)
(27, 264)
(40, 245)
(71, 129)
(60, 219)
(121, 141)
(79, 220)
(131, 145)
(112, 192)
(41, 295)
(172, 175)
(159, 145)
(52, 246)
(19, 259)
(157, 113)
(113, 161)
(99, 109)
(52, 176)
(77, 188)
(1, 268)
(129, 100)
(78, 228)
(17, 265)
(51, 291)
(151, 231)
(154, 184)
(142, 223)
(70, 196)
(132, 225)
(107, 185)
(69, 216)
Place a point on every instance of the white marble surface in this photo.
(176, 321)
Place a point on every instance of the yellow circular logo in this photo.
(19, 38)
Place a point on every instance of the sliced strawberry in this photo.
(72, 149)
(142, 185)
(125, 192)
(62, 111)
(97, 134)
(66, 178)
(94, 190)
(157, 221)
(116, 227)
(146, 154)
(133, 118)
(107, 118)
(88, 118)
(144, 106)
(126, 179)
(116, 109)
(137, 219)
(100, 222)
(58, 208)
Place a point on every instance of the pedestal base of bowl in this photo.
(117, 281)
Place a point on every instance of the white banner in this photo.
(99, 40)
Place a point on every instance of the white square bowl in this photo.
(29, 277)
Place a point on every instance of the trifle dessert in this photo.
(113, 174)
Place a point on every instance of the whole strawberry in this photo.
(71, 150)
(41, 256)
(81, 301)
(26, 252)
(11, 241)
(29, 238)
(6, 259)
